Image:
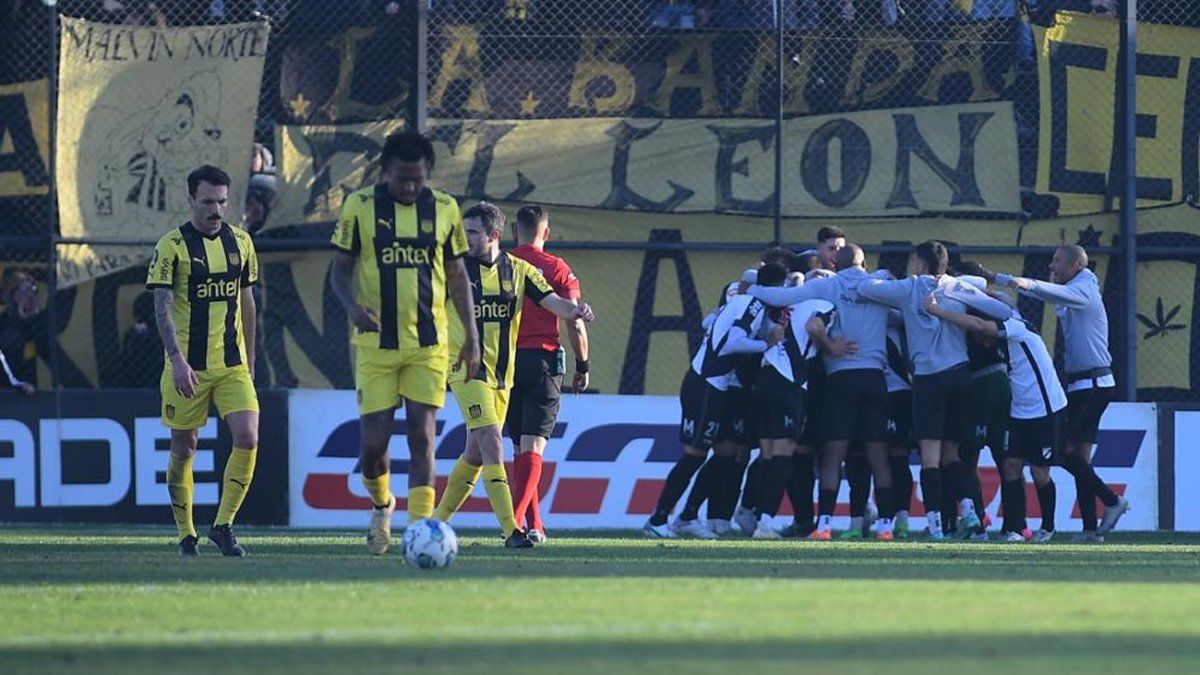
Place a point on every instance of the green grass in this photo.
(99, 600)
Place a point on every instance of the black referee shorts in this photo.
(778, 406)
(942, 405)
(1085, 407)
(536, 391)
(703, 411)
(1034, 440)
(855, 406)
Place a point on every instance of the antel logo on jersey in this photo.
(217, 289)
(490, 310)
(405, 256)
(36, 464)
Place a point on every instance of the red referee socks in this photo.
(527, 473)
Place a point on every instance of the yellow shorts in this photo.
(231, 389)
(383, 377)
(481, 403)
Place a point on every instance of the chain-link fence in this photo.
(648, 127)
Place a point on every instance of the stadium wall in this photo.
(101, 457)
(610, 454)
(1179, 503)
(102, 460)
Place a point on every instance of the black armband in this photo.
(581, 366)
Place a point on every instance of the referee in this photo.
(1075, 293)
(540, 365)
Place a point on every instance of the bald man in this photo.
(1074, 291)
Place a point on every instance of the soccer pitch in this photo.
(93, 600)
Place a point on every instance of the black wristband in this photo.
(581, 366)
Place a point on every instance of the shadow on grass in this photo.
(313, 654)
(339, 558)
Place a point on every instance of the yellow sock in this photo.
(458, 488)
(420, 503)
(181, 486)
(379, 488)
(495, 481)
(239, 470)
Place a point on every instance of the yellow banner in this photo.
(138, 109)
(24, 139)
(1078, 144)
(898, 162)
(649, 303)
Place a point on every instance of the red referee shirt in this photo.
(539, 327)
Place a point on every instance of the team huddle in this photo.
(824, 366)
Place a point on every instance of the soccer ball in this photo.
(430, 544)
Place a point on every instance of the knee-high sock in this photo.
(458, 487)
(826, 501)
(702, 489)
(516, 482)
(527, 473)
(533, 514)
(954, 489)
(902, 482)
(800, 489)
(1012, 498)
(677, 481)
(931, 488)
(1087, 487)
(858, 475)
(420, 502)
(495, 481)
(1047, 501)
(773, 477)
(181, 487)
(885, 501)
(239, 471)
(379, 489)
(1087, 504)
(750, 491)
(1082, 471)
(726, 489)
(973, 485)
(948, 504)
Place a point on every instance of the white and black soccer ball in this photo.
(430, 544)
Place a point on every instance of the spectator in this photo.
(261, 160)
(141, 347)
(8, 379)
(872, 12)
(760, 14)
(518, 10)
(674, 14)
(22, 324)
(139, 12)
(261, 197)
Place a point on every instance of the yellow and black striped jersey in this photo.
(500, 289)
(206, 275)
(402, 253)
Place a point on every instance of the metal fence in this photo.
(650, 127)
